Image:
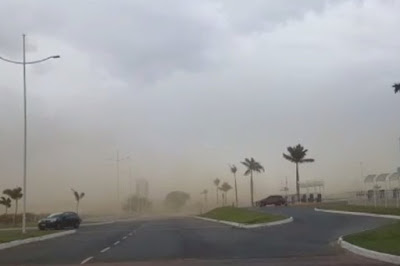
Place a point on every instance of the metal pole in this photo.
(25, 137)
(118, 180)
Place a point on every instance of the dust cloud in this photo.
(193, 90)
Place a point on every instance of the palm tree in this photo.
(225, 187)
(252, 166)
(205, 192)
(6, 202)
(15, 194)
(216, 183)
(297, 155)
(234, 170)
(396, 87)
(78, 198)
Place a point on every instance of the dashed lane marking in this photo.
(105, 249)
(86, 260)
(116, 243)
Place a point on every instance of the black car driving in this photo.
(60, 221)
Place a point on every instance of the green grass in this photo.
(358, 208)
(18, 225)
(385, 239)
(7, 236)
(238, 215)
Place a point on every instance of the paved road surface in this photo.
(310, 239)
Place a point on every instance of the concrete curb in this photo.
(247, 226)
(34, 239)
(369, 253)
(99, 223)
(360, 214)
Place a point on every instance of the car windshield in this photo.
(55, 215)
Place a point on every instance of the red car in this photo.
(272, 200)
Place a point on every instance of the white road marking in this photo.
(116, 243)
(125, 237)
(104, 250)
(86, 260)
(130, 234)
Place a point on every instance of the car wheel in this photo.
(76, 226)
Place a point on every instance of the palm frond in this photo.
(248, 171)
(81, 195)
(396, 87)
(8, 192)
(245, 163)
(288, 157)
(76, 194)
(216, 181)
(233, 168)
(309, 160)
(15, 193)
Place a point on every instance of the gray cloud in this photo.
(186, 88)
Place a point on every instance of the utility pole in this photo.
(117, 161)
(24, 63)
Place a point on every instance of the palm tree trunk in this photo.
(236, 195)
(16, 211)
(217, 196)
(251, 189)
(77, 206)
(297, 182)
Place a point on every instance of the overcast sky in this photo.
(187, 87)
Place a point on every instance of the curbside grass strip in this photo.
(34, 239)
(247, 226)
(388, 216)
(369, 253)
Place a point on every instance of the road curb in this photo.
(369, 253)
(360, 214)
(34, 239)
(99, 223)
(247, 226)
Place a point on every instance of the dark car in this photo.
(272, 200)
(60, 220)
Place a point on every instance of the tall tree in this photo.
(225, 187)
(205, 193)
(78, 196)
(396, 87)
(233, 171)
(15, 194)
(252, 166)
(6, 202)
(216, 183)
(175, 200)
(297, 154)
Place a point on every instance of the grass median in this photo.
(7, 236)
(385, 239)
(243, 216)
(360, 208)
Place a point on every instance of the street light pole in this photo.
(25, 135)
(24, 63)
(118, 160)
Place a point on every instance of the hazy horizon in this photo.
(185, 88)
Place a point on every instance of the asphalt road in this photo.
(310, 239)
